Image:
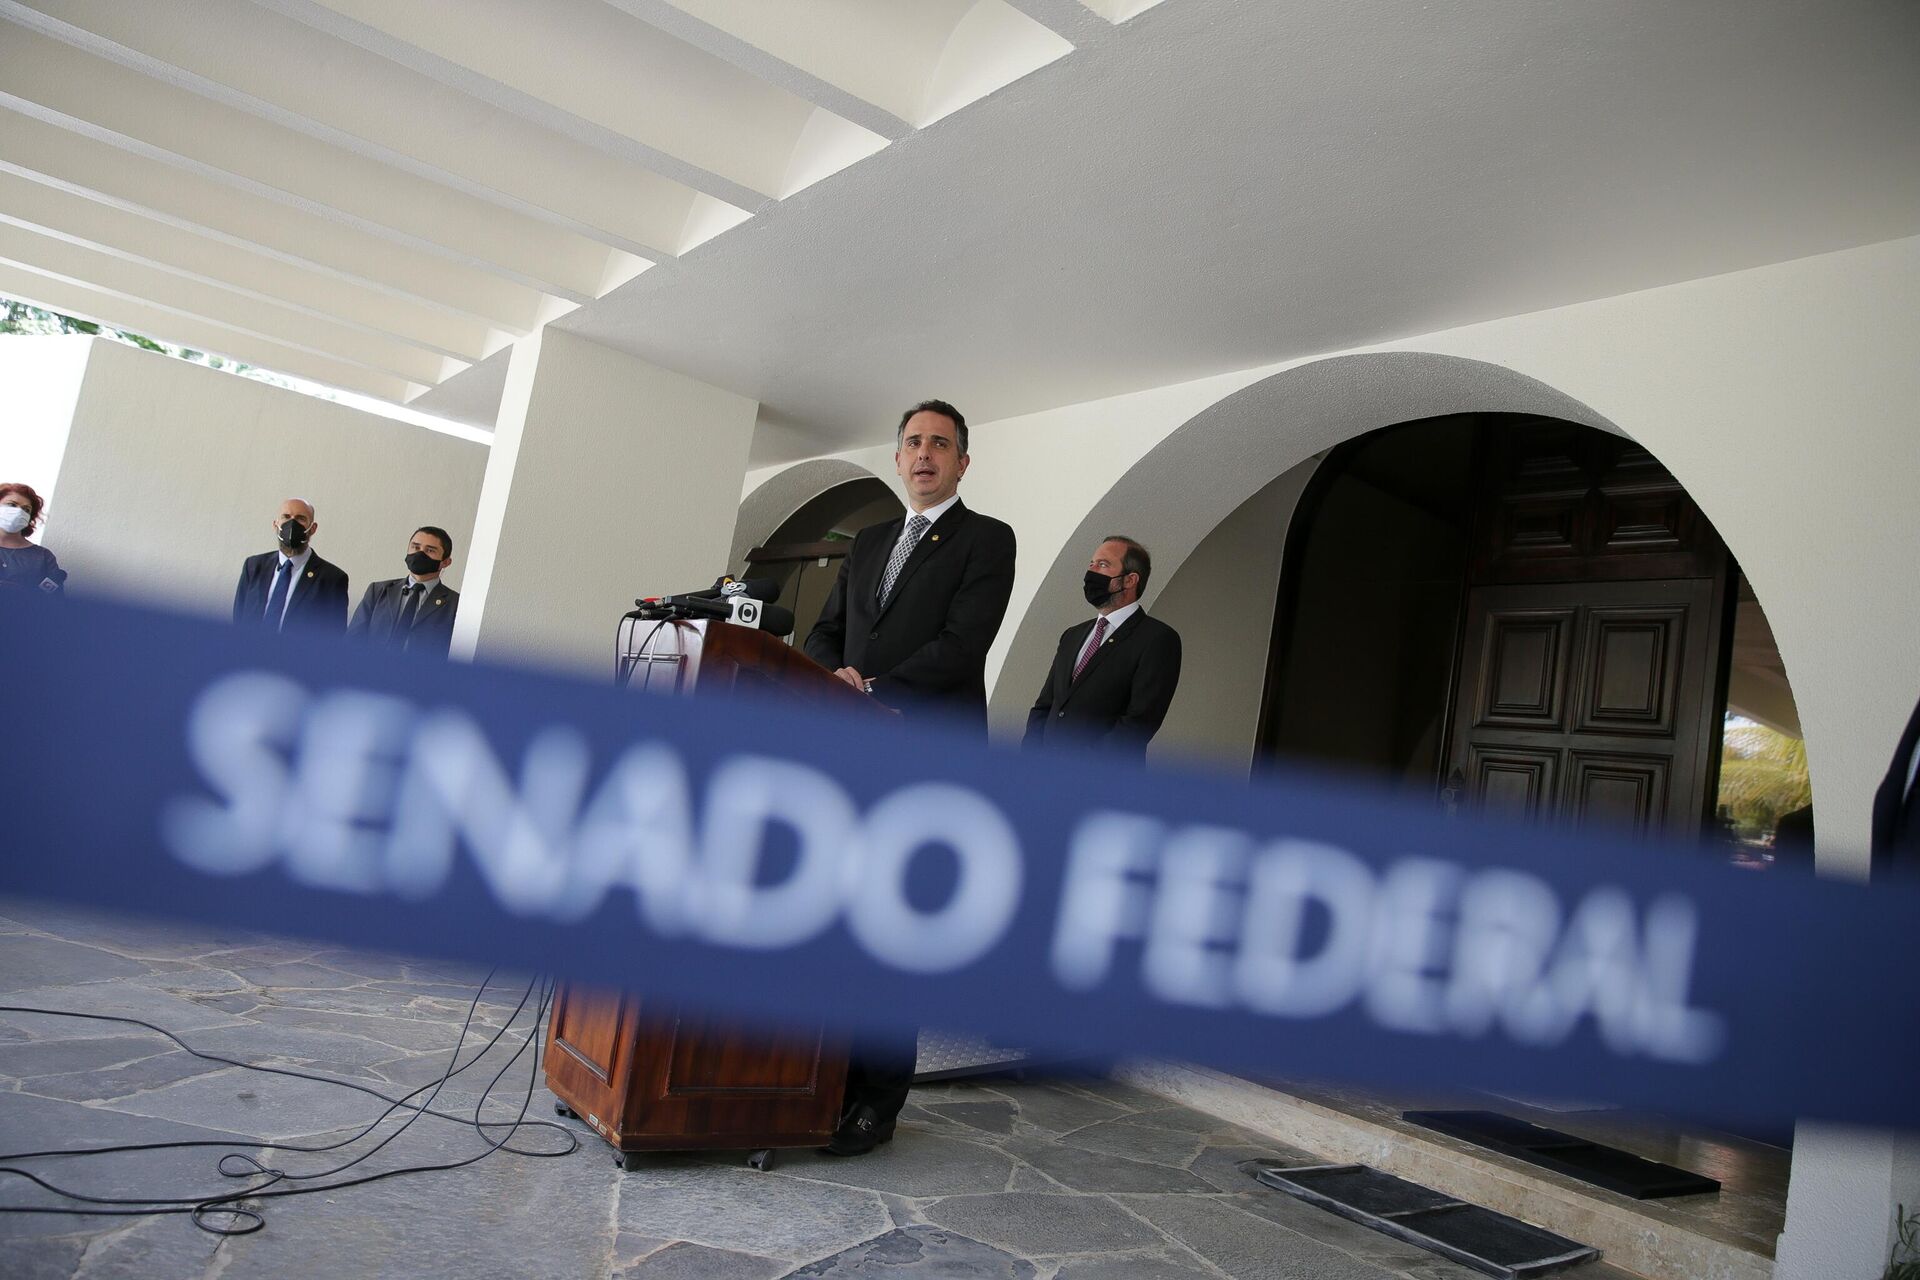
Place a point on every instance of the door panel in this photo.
(1609, 789)
(1511, 781)
(1523, 669)
(1593, 702)
(1636, 656)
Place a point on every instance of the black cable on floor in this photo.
(242, 1220)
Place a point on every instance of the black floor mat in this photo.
(1608, 1167)
(1491, 1243)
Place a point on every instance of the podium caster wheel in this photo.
(763, 1160)
(627, 1160)
(562, 1110)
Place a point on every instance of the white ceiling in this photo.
(392, 190)
(377, 194)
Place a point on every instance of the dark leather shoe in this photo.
(859, 1133)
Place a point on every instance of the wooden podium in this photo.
(644, 1074)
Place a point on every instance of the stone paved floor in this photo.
(1075, 1179)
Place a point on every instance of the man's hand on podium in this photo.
(853, 678)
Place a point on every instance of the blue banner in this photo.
(755, 859)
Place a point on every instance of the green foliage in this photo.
(1906, 1228)
(1763, 774)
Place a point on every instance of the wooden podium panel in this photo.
(649, 1076)
(658, 1079)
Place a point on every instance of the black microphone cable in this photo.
(243, 1220)
(623, 632)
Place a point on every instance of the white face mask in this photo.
(14, 519)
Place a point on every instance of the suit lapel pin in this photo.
(309, 573)
(936, 537)
(438, 603)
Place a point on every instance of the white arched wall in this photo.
(1206, 469)
(775, 494)
(1785, 398)
(1221, 600)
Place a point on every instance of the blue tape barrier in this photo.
(758, 860)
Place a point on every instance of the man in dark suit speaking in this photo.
(413, 614)
(1113, 675)
(920, 599)
(910, 619)
(292, 589)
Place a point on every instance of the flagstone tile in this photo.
(916, 1165)
(697, 1262)
(1029, 1223)
(1092, 1171)
(987, 1117)
(1247, 1247)
(749, 1212)
(1137, 1142)
(1053, 1109)
(1133, 1266)
(29, 960)
(120, 999)
(105, 1084)
(919, 1251)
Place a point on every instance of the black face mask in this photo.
(421, 565)
(1099, 588)
(293, 536)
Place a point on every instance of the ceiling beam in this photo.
(194, 297)
(84, 303)
(756, 61)
(63, 86)
(1069, 19)
(61, 212)
(525, 105)
(378, 111)
(152, 189)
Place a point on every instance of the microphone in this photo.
(745, 602)
(765, 590)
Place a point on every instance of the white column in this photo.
(609, 478)
(1847, 1184)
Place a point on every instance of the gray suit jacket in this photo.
(376, 620)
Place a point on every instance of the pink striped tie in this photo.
(1099, 632)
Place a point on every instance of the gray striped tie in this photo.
(909, 539)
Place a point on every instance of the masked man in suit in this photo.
(917, 605)
(1114, 675)
(413, 614)
(292, 588)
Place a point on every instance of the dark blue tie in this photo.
(277, 598)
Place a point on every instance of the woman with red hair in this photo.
(22, 564)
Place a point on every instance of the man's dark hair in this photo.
(446, 539)
(942, 408)
(1135, 561)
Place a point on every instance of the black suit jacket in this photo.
(377, 618)
(319, 598)
(1896, 813)
(1122, 696)
(926, 649)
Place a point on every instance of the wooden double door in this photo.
(1588, 703)
(1593, 652)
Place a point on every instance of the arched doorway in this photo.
(803, 553)
(1515, 613)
